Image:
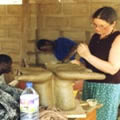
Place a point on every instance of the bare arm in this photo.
(111, 66)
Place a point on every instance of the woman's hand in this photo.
(75, 62)
(83, 50)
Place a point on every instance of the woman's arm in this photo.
(111, 66)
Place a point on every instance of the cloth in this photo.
(106, 94)
(47, 113)
(62, 48)
(9, 102)
(101, 48)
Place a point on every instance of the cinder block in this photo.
(3, 33)
(49, 34)
(30, 47)
(80, 9)
(33, 22)
(18, 27)
(76, 35)
(15, 57)
(56, 22)
(50, 9)
(10, 47)
(34, 8)
(32, 35)
(2, 10)
(10, 20)
(12, 33)
(34, 1)
(13, 20)
(80, 22)
(15, 10)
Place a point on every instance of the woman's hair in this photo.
(106, 13)
(43, 42)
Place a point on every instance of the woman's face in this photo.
(102, 27)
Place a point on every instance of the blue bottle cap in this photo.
(29, 84)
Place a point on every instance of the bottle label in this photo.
(29, 103)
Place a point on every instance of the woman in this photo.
(103, 56)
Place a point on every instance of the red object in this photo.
(22, 84)
(78, 85)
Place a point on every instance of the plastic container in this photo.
(29, 103)
(92, 102)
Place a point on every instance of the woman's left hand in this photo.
(83, 50)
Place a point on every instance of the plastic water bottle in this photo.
(29, 103)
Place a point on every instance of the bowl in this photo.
(92, 102)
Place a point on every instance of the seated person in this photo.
(9, 96)
(61, 48)
(5, 66)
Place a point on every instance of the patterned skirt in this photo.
(106, 94)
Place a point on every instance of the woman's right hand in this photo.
(83, 50)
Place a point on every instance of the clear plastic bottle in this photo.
(29, 103)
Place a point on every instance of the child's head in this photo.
(5, 63)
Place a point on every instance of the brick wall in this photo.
(22, 25)
(11, 29)
(68, 18)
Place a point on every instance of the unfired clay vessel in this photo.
(54, 84)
